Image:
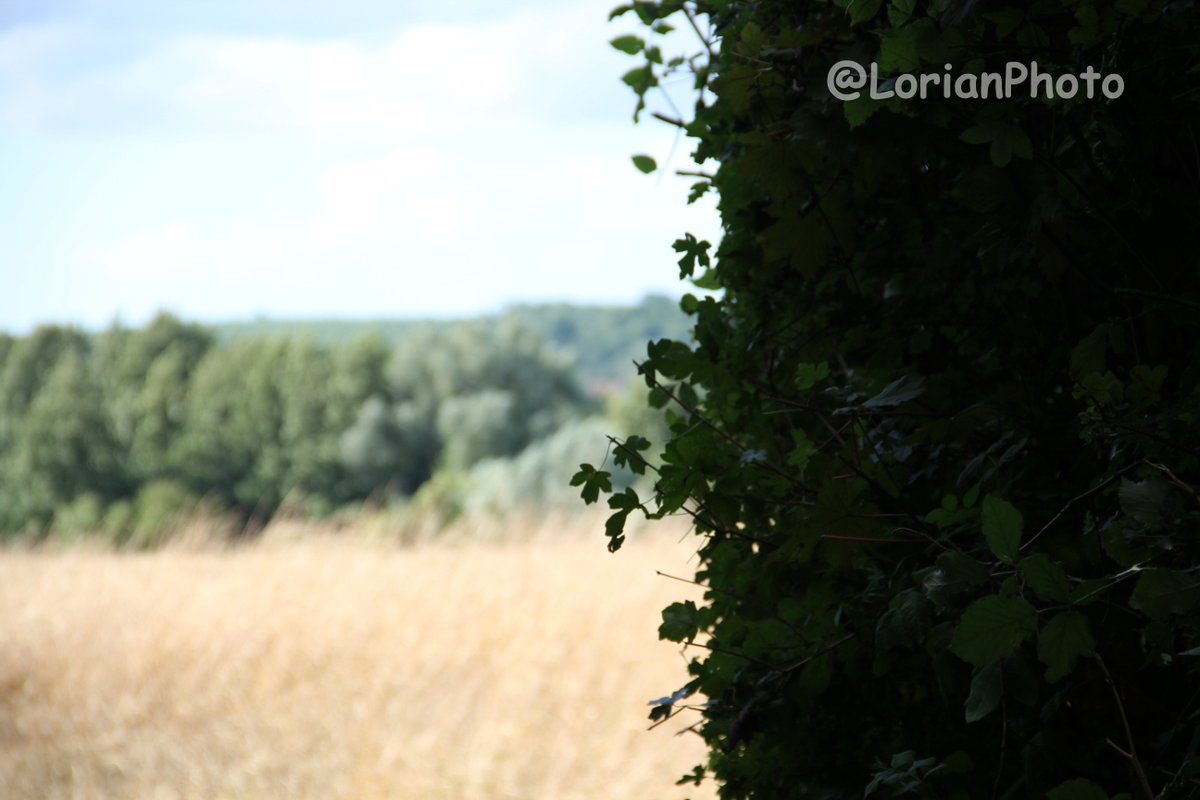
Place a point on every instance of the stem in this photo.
(1143, 782)
(691, 18)
(1074, 500)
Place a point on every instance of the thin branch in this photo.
(870, 539)
(734, 653)
(1074, 500)
(691, 18)
(1173, 478)
(1164, 298)
(1143, 781)
(1003, 739)
(678, 123)
(827, 649)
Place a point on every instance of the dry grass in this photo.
(328, 667)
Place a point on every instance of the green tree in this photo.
(938, 431)
(64, 446)
(230, 441)
(124, 357)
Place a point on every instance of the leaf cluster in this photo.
(938, 432)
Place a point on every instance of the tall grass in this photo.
(309, 665)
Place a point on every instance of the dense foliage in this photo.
(940, 428)
(125, 430)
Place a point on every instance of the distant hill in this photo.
(603, 340)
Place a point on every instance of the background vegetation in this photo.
(131, 431)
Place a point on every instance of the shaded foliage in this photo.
(939, 429)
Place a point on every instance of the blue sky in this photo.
(225, 159)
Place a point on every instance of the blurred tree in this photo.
(389, 445)
(123, 359)
(475, 426)
(64, 446)
(229, 443)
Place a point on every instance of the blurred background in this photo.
(294, 292)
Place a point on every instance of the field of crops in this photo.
(315, 665)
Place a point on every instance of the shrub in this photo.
(939, 430)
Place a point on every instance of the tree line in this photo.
(120, 429)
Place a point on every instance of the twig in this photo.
(678, 123)
(691, 18)
(1074, 500)
(1164, 298)
(1173, 478)
(1143, 781)
(1003, 738)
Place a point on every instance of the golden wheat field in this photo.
(309, 665)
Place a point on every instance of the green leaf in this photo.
(1046, 577)
(1012, 141)
(1002, 525)
(645, 163)
(860, 10)
(905, 623)
(980, 134)
(900, 11)
(987, 688)
(709, 281)
(614, 529)
(802, 450)
(1160, 592)
(1088, 356)
(808, 375)
(902, 48)
(899, 391)
(860, 109)
(640, 79)
(680, 621)
(593, 482)
(991, 628)
(1062, 641)
(955, 578)
(971, 496)
(628, 44)
(625, 500)
(1006, 20)
(1145, 501)
(627, 454)
(1077, 789)
(695, 252)
(1006, 141)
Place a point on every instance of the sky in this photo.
(228, 159)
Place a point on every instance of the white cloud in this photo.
(423, 77)
(412, 187)
(431, 169)
(183, 251)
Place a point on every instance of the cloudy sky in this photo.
(230, 158)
